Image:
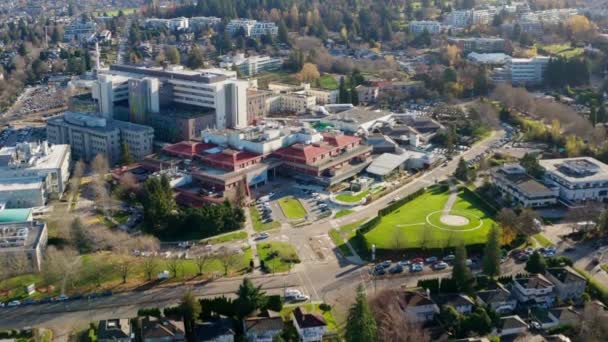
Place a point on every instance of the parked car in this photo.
(301, 298)
(440, 266)
(395, 269)
(13, 303)
(417, 260)
(292, 293)
(431, 260)
(450, 257)
(379, 271)
(262, 236)
(386, 263)
(416, 268)
(404, 263)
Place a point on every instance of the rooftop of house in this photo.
(512, 322)
(565, 313)
(264, 321)
(417, 298)
(454, 299)
(499, 294)
(215, 328)
(308, 320)
(566, 274)
(536, 281)
(152, 327)
(114, 329)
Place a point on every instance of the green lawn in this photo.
(292, 208)
(102, 268)
(352, 198)
(542, 240)
(278, 256)
(234, 236)
(328, 82)
(258, 225)
(313, 308)
(343, 212)
(350, 228)
(417, 223)
(563, 50)
(114, 13)
(338, 240)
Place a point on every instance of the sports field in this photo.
(427, 222)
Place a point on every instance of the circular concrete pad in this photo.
(454, 220)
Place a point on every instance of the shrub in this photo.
(173, 312)
(154, 312)
(274, 303)
(325, 307)
(430, 284)
(559, 261)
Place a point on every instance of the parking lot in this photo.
(11, 136)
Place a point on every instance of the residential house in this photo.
(218, 330)
(419, 307)
(311, 327)
(535, 290)
(510, 325)
(114, 330)
(564, 316)
(499, 299)
(462, 303)
(569, 284)
(263, 326)
(153, 329)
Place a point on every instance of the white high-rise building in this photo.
(216, 89)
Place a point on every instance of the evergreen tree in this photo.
(173, 55)
(195, 58)
(125, 154)
(601, 114)
(360, 325)
(492, 254)
(536, 264)
(462, 171)
(461, 273)
(342, 91)
(283, 35)
(249, 298)
(190, 309)
(593, 115)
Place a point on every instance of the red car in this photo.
(417, 260)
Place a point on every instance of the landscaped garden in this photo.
(424, 222)
(277, 256)
(352, 198)
(292, 208)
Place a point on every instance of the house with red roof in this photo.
(310, 326)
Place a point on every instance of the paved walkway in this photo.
(451, 200)
(251, 240)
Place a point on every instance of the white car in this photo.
(292, 293)
(14, 303)
(301, 298)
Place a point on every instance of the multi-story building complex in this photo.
(535, 290)
(199, 23)
(252, 65)
(460, 19)
(528, 70)
(291, 103)
(252, 28)
(578, 179)
(89, 136)
(258, 104)
(35, 169)
(479, 45)
(322, 96)
(180, 125)
(143, 98)
(22, 240)
(418, 27)
(215, 89)
(367, 94)
(173, 24)
(482, 17)
(513, 182)
(79, 30)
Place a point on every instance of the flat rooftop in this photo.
(20, 235)
(357, 115)
(582, 169)
(526, 183)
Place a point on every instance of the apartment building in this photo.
(215, 89)
(252, 65)
(577, 179)
(35, 169)
(478, 44)
(459, 19)
(418, 27)
(252, 28)
(89, 136)
(199, 23)
(79, 30)
(513, 182)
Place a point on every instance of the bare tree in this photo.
(76, 178)
(201, 260)
(227, 260)
(593, 325)
(393, 325)
(124, 268)
(173, 265)
(14, 264)
(61, 267)
(100, 168)
(150, 265)
(128, 185)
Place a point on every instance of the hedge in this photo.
(488, 207)
(398, 203)
(154, 312)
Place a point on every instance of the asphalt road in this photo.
(323, 274)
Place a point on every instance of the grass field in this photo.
(278, 256)
(102, 268)
(114, 13)
(328, 82)
(258, 225)
(292, 208)
(343, 212)
(234, 236)
(542, 240)
(338, 240)
(417, 223)
(562, 50)
(346, 198)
